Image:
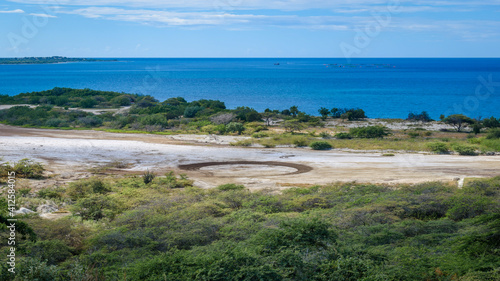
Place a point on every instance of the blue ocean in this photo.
(384, 88)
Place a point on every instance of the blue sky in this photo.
(250, 28)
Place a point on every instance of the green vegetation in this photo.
(464, 149)
(320, 145)
(369, 132)
(45, 60)
(458, 121)
(493, 134)
(24, 168)
(124, 229)
(84, 98)
(290, 127)
(422, 117)
(148, 177)
(438, 147)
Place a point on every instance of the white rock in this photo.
(23, 211)
(44, 209)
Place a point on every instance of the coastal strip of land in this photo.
(48, 60)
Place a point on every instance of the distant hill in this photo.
(45, 60)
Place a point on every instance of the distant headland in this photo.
(47, 60)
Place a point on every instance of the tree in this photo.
(424, 117)
(269, 117)
(293, 126)
(458, 121)
(491, 122)
(294, 110)
(324, 112)
(235, 127)
(253, 116)
(191, 111)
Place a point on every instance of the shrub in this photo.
(235, 127)
(54, 122)
(464, 149)
(52, 251)
(260, 135)
(413, 134)
(191, 111)
(80, 189)
(424, 117)
(300, 141)
(468, 206)
(324, 135)
(171, 181)
(49, 194)
(320, 145)
(493, 134)
(123, 100)
(230, 186)
(369, 132)
(25, 168)
(92, 121)
(342, 136)
(95, 207)
(491, 122)
(268, 143)
(35, 269)
(438, 147)
(148, 177)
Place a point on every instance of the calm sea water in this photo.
(384, 88)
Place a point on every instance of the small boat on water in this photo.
(276, 63)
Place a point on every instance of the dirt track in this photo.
(299, 168)
(70, 155)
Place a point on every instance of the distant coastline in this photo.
(48, 60)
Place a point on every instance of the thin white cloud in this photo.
(167, 18)
(43, 15)
(16, 11)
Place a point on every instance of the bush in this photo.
(148, 177)
(369, 132)
(35, 269)
(321, 145)
(325, 135)
(464, 149)
(300, 141)
(260, 135)
(438, 147)
(191, 111)
(230, 186)
(52, 251)
(25, 168)
(468, 206)
(49, 194)
(95, 207)
(234, 127)
(342, 136)
(424, 117)
(80, 189)
(493, 134)
(92, 121)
